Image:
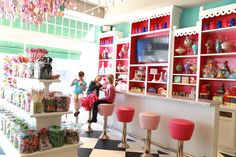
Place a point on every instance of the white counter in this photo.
(203, 114)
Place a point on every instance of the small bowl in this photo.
(180, 50)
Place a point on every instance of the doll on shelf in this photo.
(218, 96)
(209, 46)
(209, 70)
(139, 74)
(223, 72)
(233, 74)
(220, 90)
(226, 98)
(205, 91)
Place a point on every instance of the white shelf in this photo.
(220, 54)
(122, 72)
(220, 29)
(151, 64)
(64, 151)
(38, 121)
(151, 32)
(15, 108)
(216, 79)
(184, 74)
(104, 60)
(157, 82)
(49, 114)
(123, 59)
(184, 84)
(107, 45)
(186, 56)
(39, 80)
(136, 81)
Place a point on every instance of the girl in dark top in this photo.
(95, 85)
(92, 93)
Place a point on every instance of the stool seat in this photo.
(106, 109)
(125, 113)
(181, 129)
(149, 120)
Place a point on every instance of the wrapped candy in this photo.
(72, 136)
(36, 53)
(56, 136)
(44, 143)
(37, 101)
(28, 141)
(17, 127)
(27, 100)
(49, 104)
(62, 102)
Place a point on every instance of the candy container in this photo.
(28, 141)
(72, 136)
(44, 143)
(56, 136)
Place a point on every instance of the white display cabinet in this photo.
(151, 50)
(185, 61)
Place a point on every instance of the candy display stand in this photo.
(37, 121)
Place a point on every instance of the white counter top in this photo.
(186, 100)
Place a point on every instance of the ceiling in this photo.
(110, 12)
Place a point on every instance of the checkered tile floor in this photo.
(94, 147)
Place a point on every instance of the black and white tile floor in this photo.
(94, 147)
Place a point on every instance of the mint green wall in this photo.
(58, 26)
(190, 16)
(124, 28)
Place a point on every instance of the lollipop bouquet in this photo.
(36, 53)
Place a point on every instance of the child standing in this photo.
(108, 98)
(80, 87)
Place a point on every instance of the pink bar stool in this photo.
(105, 110)
(124, 114)
(181, 130)
(148, 121)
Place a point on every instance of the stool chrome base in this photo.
(147, 152)
(123, 145)
(180, 152)
(104, 135)
(146, 155)
(89, 129)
